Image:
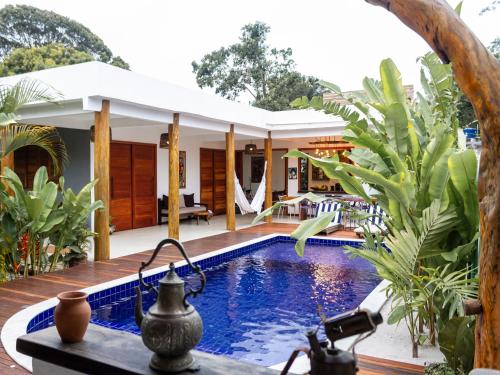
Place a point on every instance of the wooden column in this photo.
(477, 73)
(101, 173)
(173, 178)
(230, 200)
(268, 156)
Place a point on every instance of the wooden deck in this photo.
(18, 294)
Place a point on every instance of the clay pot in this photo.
(72, 316)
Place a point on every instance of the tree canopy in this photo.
(29, 28)
(251, 66)
(24, 60)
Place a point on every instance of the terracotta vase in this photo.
(72, 316)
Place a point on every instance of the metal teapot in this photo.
(172, 327)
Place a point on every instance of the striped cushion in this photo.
(330, 207)
(375, 209)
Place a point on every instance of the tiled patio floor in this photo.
(136, 240)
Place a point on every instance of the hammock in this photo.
(258, 199)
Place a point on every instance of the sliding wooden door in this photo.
(213, 179)
(121, 185)
(219, 182)
(144, 185)
(207, 178)
(133, 185)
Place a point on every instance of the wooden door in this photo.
(207, 178)
(27, 161)
(219, 182)
(121, 185)
(144, 185)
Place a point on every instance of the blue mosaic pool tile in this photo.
(105, 297)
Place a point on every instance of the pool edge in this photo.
(17, 324)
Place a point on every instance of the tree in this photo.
(252, 66)
(23, 26)
(477, 73)
(24, 60)
(284, 88)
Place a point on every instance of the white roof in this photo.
(140, 100)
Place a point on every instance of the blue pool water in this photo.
(257, 307)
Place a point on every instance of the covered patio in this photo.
(112, 107)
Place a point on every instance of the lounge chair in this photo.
(375, 223)
(336, 222)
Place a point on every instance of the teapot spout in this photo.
(139, 314)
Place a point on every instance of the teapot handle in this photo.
(195, 268)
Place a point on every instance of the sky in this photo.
(340, 41)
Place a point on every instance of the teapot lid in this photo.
(171, 278)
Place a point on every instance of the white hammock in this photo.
(258, 199)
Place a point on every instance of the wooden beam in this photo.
(101, 173)
(268, 156)
(230, 170)
(477, 73)
(173, 178)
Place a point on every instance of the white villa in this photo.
(207, 137)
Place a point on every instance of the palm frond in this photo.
(434, 224)
(25, 91)
(16, 136)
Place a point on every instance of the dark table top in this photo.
(107, 351)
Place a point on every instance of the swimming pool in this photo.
(259, 299)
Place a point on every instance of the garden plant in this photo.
(34, 223)
(14, 135)
(412, 153)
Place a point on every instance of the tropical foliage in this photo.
(412, 153)
(252, 67)
(13, 135)
(35, 222)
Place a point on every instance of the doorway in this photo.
(132, 185)
(213, 179)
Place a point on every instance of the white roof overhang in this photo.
(137, 100)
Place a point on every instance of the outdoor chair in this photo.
(349, 221)
(375, 223)
(336, 223)
(291, 208)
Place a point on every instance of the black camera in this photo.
(325, 359)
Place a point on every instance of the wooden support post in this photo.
(230, 199)
(7, 162)
(477, 73)
(173, 178)
(268, 156)
(101, 173)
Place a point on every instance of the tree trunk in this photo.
(477, 73)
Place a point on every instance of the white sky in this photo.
(340, 41)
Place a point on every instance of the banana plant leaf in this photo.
(392, 83)
(463, 171)
(396, 124)
(310, 227)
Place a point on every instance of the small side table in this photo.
(206, 214)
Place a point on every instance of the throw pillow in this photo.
(189, 200)
(182, 202)
(164, 202)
